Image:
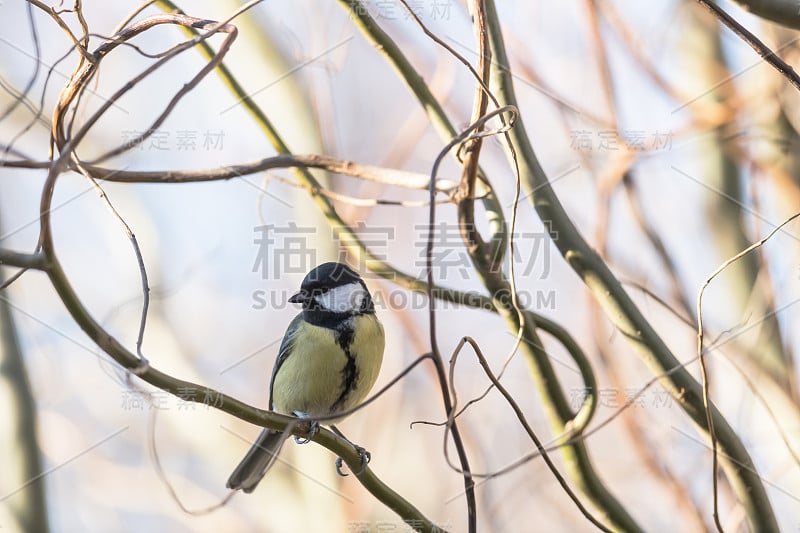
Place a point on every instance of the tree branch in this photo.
(36, 261)
(619, 307)
(754, 42)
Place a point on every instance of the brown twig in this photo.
(383, 175)
(469, 484)
(754, 42)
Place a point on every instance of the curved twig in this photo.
(463, 137)
(701, 356)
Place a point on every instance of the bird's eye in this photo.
(319, 291)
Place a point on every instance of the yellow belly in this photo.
(311, 379)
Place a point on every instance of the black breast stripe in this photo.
(350, 371)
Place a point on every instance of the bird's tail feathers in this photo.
(258, 460)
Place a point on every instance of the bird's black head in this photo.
(334, 288)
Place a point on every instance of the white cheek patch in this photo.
(344, 298)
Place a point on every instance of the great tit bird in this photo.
(327, 363)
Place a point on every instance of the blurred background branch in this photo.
(22, 489)
(783, 12)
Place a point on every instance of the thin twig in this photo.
(701, 355)
(524, 422)
(754, 42)
(139, 261)
(465, 135)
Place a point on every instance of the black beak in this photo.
(300, 298)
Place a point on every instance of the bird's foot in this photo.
(313, 429)
(365, 459)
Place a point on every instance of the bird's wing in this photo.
(284, 352)
(264, 451)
